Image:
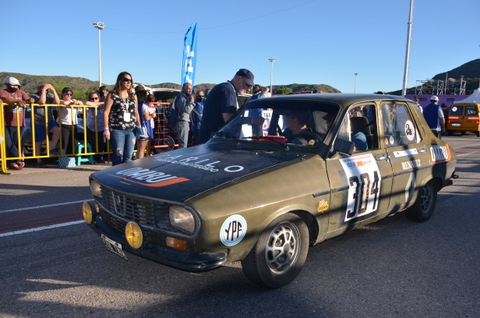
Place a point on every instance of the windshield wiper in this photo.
(225, 135)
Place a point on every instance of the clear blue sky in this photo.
(313, 41)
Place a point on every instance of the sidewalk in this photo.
(52, 166)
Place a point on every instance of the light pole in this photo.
(100, 26)
(271, 74)
(355, 87)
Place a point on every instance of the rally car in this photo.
(283, 174)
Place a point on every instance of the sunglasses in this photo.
(68, 94)
(93, 98)
(127, 79)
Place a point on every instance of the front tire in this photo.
(279, 254)
(424, 205)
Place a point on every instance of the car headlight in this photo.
(182, 218)
(96, 189)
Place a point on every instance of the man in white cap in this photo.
(14, 115)
(433, 114)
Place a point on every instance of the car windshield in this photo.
(302, 123)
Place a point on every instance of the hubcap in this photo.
(282, 247)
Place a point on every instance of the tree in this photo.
(283, 90)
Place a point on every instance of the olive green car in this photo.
(285, 173)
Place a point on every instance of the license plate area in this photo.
(114, 247)
(456, 124)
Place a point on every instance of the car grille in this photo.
(153, 214)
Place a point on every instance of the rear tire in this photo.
(279, 254)
(424, 205)
(477, 133)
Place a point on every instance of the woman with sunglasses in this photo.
(67, 119)
(121, 117)
(95, 125)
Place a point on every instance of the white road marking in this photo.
(43, 206)
(42, 228)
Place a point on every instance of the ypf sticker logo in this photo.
(233, 230)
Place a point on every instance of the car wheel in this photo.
(463, 133)
(477, 133)
(279, 254)
(450, 132)
(424, 206)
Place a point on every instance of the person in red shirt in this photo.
(14, 115)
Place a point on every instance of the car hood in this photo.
(181, 174)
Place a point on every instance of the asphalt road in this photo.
(392, 268)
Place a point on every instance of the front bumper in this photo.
(187, 261)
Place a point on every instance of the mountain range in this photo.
(470, 72)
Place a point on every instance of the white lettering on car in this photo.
(364, 183)
(411, 164)
(154, 178)
(233, 230)
(203, 164)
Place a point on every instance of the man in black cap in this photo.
(222, 103)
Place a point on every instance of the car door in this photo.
(408, 154)
(360, 183)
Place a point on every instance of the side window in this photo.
(399, 127)
(359, 128)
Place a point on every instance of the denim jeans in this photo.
(11, 138)
(122, 143)
(182, 128)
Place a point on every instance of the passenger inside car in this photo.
(299, 131)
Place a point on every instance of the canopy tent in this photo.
(472, 99)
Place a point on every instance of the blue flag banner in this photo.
(189, 55)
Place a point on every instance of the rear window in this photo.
(471, 111)
(456, 110)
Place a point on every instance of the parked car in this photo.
(464, 115)
(283, 174)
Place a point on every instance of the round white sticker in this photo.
(233, 230)
(409, 130)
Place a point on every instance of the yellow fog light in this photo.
(87, 213)
(134, 234)
(177, 243)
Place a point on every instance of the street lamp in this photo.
(100, 26)
(355, 87)
(271, 74)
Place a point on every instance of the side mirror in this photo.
(342, 145)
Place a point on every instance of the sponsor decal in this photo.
(364, 182)
(405, 153)
(233, 230)
(202, 164)
(409, 130)
(322, 206)
(147, 177)
(411, 164)
(439, 153)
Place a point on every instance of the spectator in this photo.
(184, 104)
(147, 115)
(95, 125)
(196, 116)
(103, 93)
(417, 101)
(120, 117)
(14, 116)
(265, 92)
(67, 118)
(46, 94)
(256, 90)
(221, 103)
(433, 114)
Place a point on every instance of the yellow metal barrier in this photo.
(26, 135)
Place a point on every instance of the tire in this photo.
(477, 133)
(279, 254)
(424, 205)
(450, 132)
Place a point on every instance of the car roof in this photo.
(342, 99)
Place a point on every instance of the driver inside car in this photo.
(298, 132)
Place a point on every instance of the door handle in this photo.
(380, 158)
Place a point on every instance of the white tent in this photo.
(472, 99)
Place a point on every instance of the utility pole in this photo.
(100, 26)
(271, 74)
